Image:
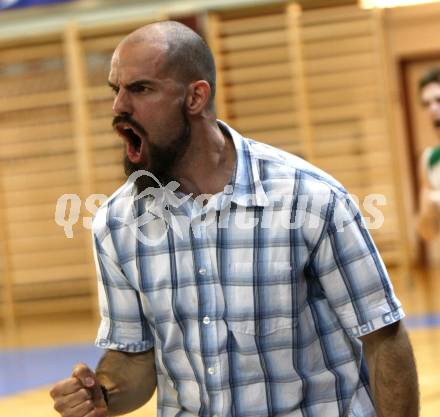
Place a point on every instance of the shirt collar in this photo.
(245, 185)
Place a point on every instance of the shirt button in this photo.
(211, 371)
(202, 271)
(206, 320)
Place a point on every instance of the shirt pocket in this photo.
(260, 298)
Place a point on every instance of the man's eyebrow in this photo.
(138, 83)
(134, 84)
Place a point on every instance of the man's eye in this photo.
(139, 88)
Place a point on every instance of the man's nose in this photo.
(121, 103)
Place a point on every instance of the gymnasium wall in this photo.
(315, 82)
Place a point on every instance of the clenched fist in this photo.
(80, 395)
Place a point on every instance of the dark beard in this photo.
(160, 160)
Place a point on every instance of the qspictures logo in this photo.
(163, 207)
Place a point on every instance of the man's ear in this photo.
(197, 99)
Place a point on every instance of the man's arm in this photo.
(129, 379)
(392, 369)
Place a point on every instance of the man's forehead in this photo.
(135, 58)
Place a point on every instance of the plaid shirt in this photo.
(253, 302)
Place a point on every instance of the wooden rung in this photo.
(276, 136)
(253, 24)
(358, 94)
(332, 14)
(124, 26)
(24, 134)
(102, 107)
(109, 157)
(34, 118)
(55, 273)
(378, 187)
(244, 59)
(349, 128)
(31, 39)
(20, 54)
(109, 172)
(100, 125)
(41, 180)
(38, 228)
(349, 145)
(48, 259)
(26, 213)
(266, 122)
(51, 290)
(46, 163)
(36, 244)
(280, 103)
(332, 30)
(295, 149)
(343, 79)
(258, 90)
(108, 187)
(38, 149)
(333, 163)
(355, 173)
(34, 101)
(100, 92)
(336, 113)
(336, 47)
(260, 72)
(104, 142)
(61, 304)
(40, 196)
(327, 65)
(253, 41)
(103, 43)
(38, 83)
(238, 13)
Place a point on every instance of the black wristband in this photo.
(104, 394)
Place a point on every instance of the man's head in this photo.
(163, 77)
(429, 88)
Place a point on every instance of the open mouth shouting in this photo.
(133, 137)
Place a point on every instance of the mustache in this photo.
(126, 118)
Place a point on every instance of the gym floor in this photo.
(26, 374)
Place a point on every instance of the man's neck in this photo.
(208, 163)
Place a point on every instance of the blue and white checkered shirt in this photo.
(254, 301)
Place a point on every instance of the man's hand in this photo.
(80, 395)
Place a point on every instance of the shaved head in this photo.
(187, 56)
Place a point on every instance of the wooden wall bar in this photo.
(311, 82)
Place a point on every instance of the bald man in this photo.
(237, 278)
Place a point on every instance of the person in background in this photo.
(428, 220)
(267, 299)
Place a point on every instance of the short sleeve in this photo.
(123, 325)
(352, 273)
